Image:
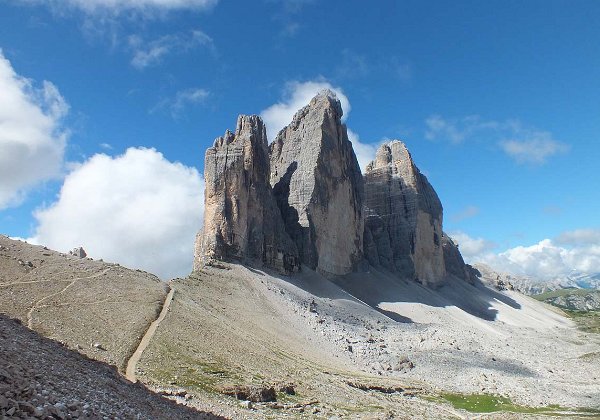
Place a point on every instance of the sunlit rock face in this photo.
(241, 218)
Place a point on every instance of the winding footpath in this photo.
(38, 304)
(135, 357)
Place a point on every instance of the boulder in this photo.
(319, 188)
(241, 219)
(78, 252)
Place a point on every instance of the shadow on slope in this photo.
(374, 288)
(377, 287)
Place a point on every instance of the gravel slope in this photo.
(244, 326)
(41, 378)
(97, 308)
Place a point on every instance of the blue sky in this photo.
(497, 101)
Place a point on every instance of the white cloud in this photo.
(153, 52)
(544, 260)
(32, 140)
(523, 144)
(297, 95)
(365, 152)
(137, 209)
(182, 99)
(472, 249)
(533, 150)
(117, 6)
(467, 213)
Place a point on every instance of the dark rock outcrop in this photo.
(242, 220)
(403, 224)
(318, 184)
(455, 265)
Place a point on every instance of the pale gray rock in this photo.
(319, 188)
(241, 219)
(78, 252)
(403, 222)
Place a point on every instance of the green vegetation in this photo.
(590, 356)
(587, 321)
(194, 373)
(487, 403)
(561, 292)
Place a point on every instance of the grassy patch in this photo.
(590, 356)
(587, 321)
(561, 292)
(487, 403)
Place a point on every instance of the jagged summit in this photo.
(302, 200)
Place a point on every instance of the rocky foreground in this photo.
(40, 378)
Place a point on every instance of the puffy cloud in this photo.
(472, 249)
(544, 260)
(297, 95)
(523, 144)
(365, 152)
(32, 139)
(117, 6)
(153, 52)
(137, 209)
(548, 260)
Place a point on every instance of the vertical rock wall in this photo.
(403, 225)
(317, 181)
(241, 217)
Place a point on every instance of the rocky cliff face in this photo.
(303, 200)
(455, 265)
(241, 219)
(319, 187)
(403, 226)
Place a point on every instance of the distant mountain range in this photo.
(576, 291)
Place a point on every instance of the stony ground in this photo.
(367, 346)
(40, 378)
(82, 303)
(236, 325)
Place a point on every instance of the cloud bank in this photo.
(32, 140)
(548, 259)
(137, 209)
